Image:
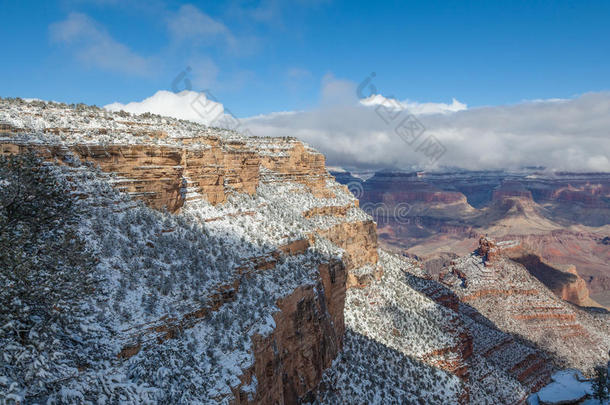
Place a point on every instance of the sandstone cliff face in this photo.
(575, 292)
(565, 249)
(567, 285)
(210, 169)
(150, 173)
(400, 187)
(308, 336)
(358, 239)
(309, 326)
(268, 204)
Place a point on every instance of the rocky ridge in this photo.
(505, 292)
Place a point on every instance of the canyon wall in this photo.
(250, 260)
(308, 336)
(309, 322)
(560, 217)
(168, 176)
(515, 300)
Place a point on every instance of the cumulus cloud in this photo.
(337, 92)
(569, 134)
(187, 105)
(95, 47)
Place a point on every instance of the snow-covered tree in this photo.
(600, 384)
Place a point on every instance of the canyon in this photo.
(561, 220)
(238, 270)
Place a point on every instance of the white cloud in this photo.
(337, 92)
(187, 105)
(598, 163)
(567, 134)
(414, 107)
(95, 47)
(190, 23)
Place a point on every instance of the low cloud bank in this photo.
(377, 132)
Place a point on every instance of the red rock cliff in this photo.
(167, 176)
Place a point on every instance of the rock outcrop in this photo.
(567, 284)
(491, 250)
(289, 363)
(509, 295)
(309, 326)
(572, 251)
(207, 168)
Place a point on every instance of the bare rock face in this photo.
(400, 187)
(575, 292)
(486, 247)
(308, 336)
(490, 250)
(580, 251)
(567, 285)
(358, 239)
(167, 176)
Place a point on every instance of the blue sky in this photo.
(259, 57)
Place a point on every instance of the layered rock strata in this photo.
(507, 294)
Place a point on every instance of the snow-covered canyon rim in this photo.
(228, 269)
(206, 243)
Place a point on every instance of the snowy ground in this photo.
(568, 386)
